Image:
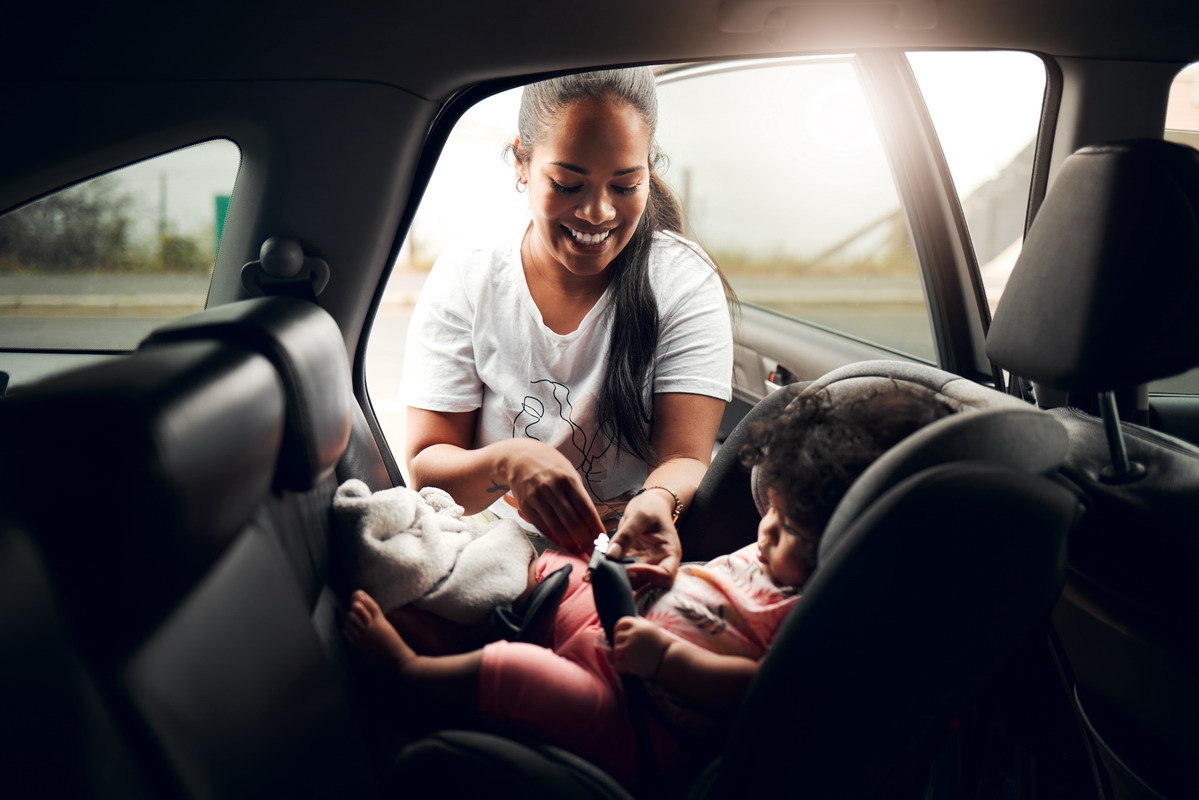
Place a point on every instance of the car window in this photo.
(786, 183)
(96, 266)
(471, 197)
(986, 108)
(1182, 126)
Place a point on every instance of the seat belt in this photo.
(614, 599)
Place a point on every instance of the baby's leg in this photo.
(451, 679)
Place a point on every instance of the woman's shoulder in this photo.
(675, 245)
(679, 265)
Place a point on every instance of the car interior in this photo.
(1000, 607)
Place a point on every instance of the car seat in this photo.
(920, 593)
(140, 479)
(58, 735)
(1101, 301)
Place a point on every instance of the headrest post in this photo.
(1121, 470)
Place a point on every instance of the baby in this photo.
(697, 644)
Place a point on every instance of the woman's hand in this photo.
(638, 646)
(550, 494)
(647, 533)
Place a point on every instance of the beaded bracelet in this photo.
(678, 503)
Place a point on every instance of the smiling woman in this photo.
(554, 378)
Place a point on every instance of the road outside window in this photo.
(97, 266)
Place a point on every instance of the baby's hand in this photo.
(638, 647)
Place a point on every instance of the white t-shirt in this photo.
(477, 341)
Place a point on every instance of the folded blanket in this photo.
(418, 548)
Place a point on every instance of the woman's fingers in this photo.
(564, 515)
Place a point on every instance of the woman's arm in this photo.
(547, 488)
(699, 677)
(684, 431)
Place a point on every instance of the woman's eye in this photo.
(626, 189)
(560, 189)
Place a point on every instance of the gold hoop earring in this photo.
(520, 185)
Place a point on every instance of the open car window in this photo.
(986, 108)
(1182, 126)
(786, 182)
(784, 176)
(96, 266)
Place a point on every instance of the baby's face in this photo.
(781, 545)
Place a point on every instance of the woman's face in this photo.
(588, 182)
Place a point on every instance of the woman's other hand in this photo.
(638, 646)
(550, 495)
(647, 533)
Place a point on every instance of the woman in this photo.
(578, 377)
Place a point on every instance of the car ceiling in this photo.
(332, 103)
(433, 48)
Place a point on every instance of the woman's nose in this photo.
(596, 208)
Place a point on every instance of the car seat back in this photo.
(1100, 302)
(186, 608)
(922, 591)
(58, 735)
(307, 349)
(304, 345)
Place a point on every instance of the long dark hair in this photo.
(635, 324)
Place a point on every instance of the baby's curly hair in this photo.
(812, 450)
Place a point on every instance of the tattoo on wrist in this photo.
(497, 488)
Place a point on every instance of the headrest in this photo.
(139, 471)
(306, 347)
(865, 377)
(1103, 294)
(989, 426)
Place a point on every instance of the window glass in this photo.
(471, 197)
(785, 182)
(96, 266)
(986, 108)
(1182, 126)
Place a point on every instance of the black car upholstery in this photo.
(174, 582)
(1100, 301)
(60, 737)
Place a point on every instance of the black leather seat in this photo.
(59, 737)
(1101, 301)
(920, 594)
(325, 442)
(185, 609)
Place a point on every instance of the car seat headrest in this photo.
(1103, 294)
(865, 377)
(306, 347)
(141, 471)
(1024, 439)
(988, 426)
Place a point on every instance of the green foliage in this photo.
(89, 228)
(182, 254)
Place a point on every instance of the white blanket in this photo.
(418, 548)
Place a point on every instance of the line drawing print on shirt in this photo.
(536, 408)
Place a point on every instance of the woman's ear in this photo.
(518, 160)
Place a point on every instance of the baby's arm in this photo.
(696, 676)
